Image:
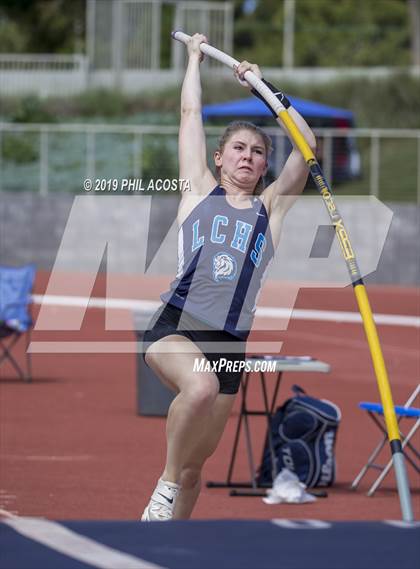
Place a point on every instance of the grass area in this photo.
(117, 157)
(397, 173)
(399, 170)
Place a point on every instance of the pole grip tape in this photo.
(280, 96)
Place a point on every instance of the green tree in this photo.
(41, 26)
(327, 32)
(351, 33)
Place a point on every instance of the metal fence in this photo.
(128, 47)
(42, 73)
(213, 19)
(49, 158)
(128, 34)
(41, 62)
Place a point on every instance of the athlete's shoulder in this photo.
(190, 203)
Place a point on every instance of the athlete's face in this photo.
(243, 160)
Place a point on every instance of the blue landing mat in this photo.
(29, 543)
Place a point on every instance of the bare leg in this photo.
(212, 430)
(192, 406)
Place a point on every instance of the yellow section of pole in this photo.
(378, 362)
(363, 303)
(296, 135)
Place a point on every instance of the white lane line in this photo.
(96, 302)
(337, 316)
(74, 545)
(109, 347)
(345, 342)
(52, 457)
(149, 306)
(301, 524)
(6, 514)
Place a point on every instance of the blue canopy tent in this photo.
(253, 107)
(345, 156)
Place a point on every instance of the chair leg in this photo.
(15, 365)
(369, 464)
(7, 355)
(387, 468)
(377, 450)
(7, 348)
(28, 377)
(414, 450)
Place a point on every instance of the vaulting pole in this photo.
(285, 120)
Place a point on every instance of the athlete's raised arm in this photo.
(282, 193)
(192, 141)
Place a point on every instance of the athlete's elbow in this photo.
(188, 109)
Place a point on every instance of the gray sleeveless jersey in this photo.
(223, 254)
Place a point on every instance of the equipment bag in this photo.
(304, 432)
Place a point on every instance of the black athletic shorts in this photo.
(227, 366)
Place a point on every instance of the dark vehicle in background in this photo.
(344, 163)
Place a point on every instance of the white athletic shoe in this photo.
(162, 503)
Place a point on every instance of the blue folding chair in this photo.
(16, 285)
(407, 411)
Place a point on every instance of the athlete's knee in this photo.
(202, 392)
(153, 359)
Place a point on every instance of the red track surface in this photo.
(73, 447)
